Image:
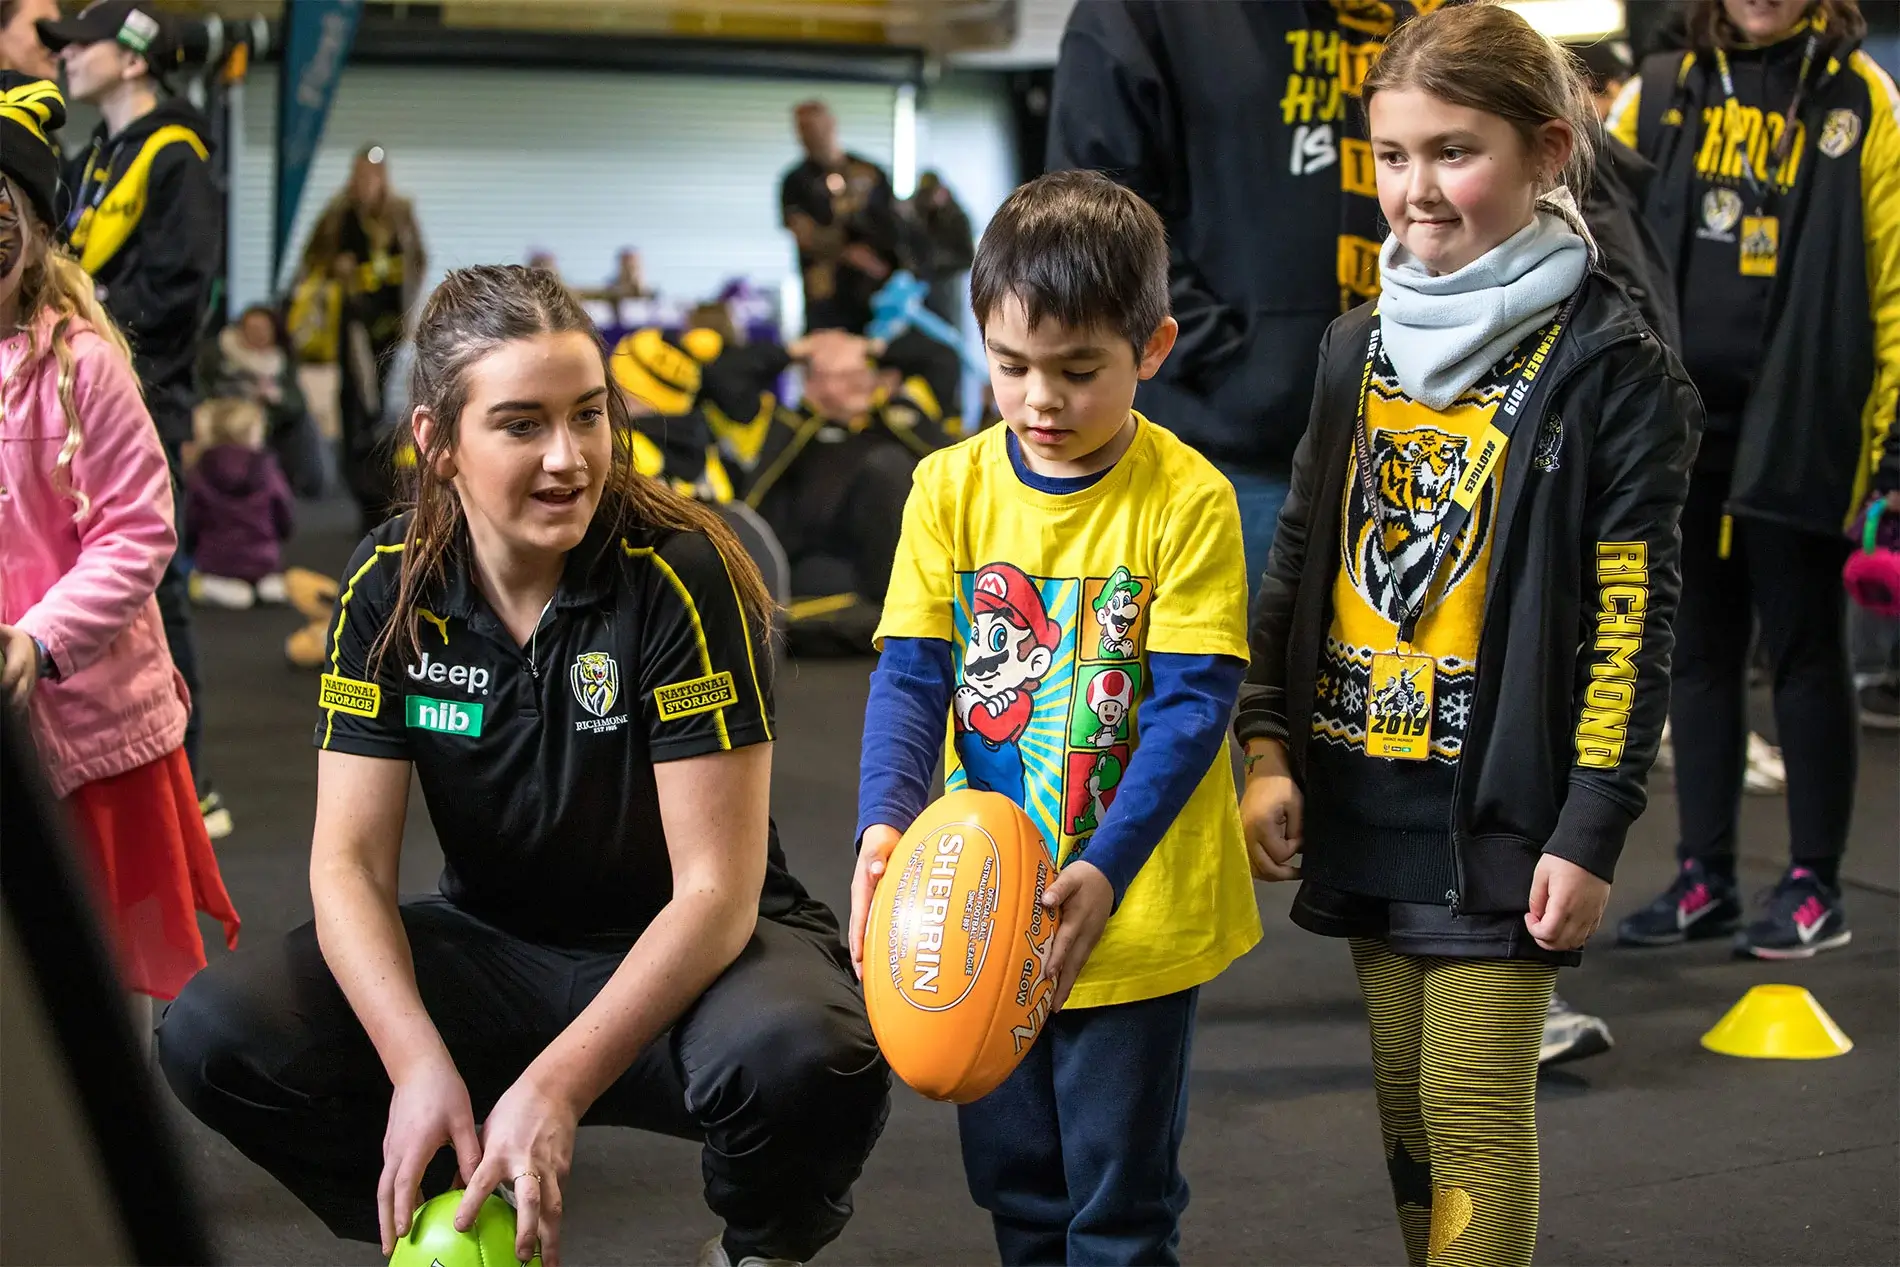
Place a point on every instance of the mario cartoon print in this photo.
(1012, 645)
(1117, 608)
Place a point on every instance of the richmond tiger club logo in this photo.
(1839, 131)
(1417, 471)
(596, 682)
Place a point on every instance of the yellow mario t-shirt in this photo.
(1051, 604)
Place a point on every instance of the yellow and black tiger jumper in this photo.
(1454, 1038)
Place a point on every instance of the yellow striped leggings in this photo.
(1454, 1057)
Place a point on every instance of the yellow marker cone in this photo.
(1778, 1022)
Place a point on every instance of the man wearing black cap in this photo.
(148, 224)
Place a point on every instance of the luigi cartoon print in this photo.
(1117, 608)
(1011, 646)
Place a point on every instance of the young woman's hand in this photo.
(1270, 810)
(528, 1141)
(429, 1109)
(873, 852)
(19, 666)
(1086, 899)
(1566, 904)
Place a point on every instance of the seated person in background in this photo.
(250, 360)
(831, 476)
(238, 509)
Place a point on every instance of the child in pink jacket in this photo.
(85, 534)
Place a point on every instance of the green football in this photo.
(434, 1242)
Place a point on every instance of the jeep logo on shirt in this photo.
(475, 681)
(444, 716)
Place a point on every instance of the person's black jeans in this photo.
(1076, 1156)
(1791, 580)
(774, 1068)
(174, 609)
(367, 461)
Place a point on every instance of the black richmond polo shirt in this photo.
(537, 761)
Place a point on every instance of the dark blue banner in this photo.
(317, 39)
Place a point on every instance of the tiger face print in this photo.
(1417, 470)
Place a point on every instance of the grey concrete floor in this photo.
(1656, 1153)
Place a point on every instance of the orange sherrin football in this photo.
(956, 950)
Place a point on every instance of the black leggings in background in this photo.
(174, 609)
(1792, 581)
(774, 1068)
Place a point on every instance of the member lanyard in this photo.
(1786, 142)
(1475, 474)
(92, 189)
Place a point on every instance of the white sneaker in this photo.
(1571, 1035)
(713, 1254)
(1665, 751)
(1766, 776)
(222, 591)
(271, 589)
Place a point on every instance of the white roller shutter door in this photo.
(501, 163)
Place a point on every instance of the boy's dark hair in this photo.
(1078, 248)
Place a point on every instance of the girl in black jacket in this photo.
(1778, 197)
(1485, 502)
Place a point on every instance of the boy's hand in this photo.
(873, 851)
(1085, 898)
(1270, 813)
(1566, 904)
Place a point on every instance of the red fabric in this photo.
(153, 871)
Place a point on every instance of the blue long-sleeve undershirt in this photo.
(1182, 725)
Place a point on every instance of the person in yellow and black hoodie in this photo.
(1459, 654)
(1778, 147)
(661, 379)
(147, 222)
(1236, 121)
(367, 240)
(830, 477)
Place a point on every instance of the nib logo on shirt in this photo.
(444, 716)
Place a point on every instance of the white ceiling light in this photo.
(1572, 19)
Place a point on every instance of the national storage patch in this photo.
(347, 695)
(701, 695)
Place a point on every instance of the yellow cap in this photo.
(1778, 1022)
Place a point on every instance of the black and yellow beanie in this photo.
(31, 110)
(662, 373)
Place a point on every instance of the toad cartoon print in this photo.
(1012, 645)
(1116, 610)
(1110, 694)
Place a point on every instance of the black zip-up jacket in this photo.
(1573, 656)
(1239, 121)
(150, 229)
(1629, 251)
(1819, 430)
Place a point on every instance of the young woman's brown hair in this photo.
(473, 312)
(1485, 57)
(1710, 28)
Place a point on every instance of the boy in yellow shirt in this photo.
(1069, 601)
